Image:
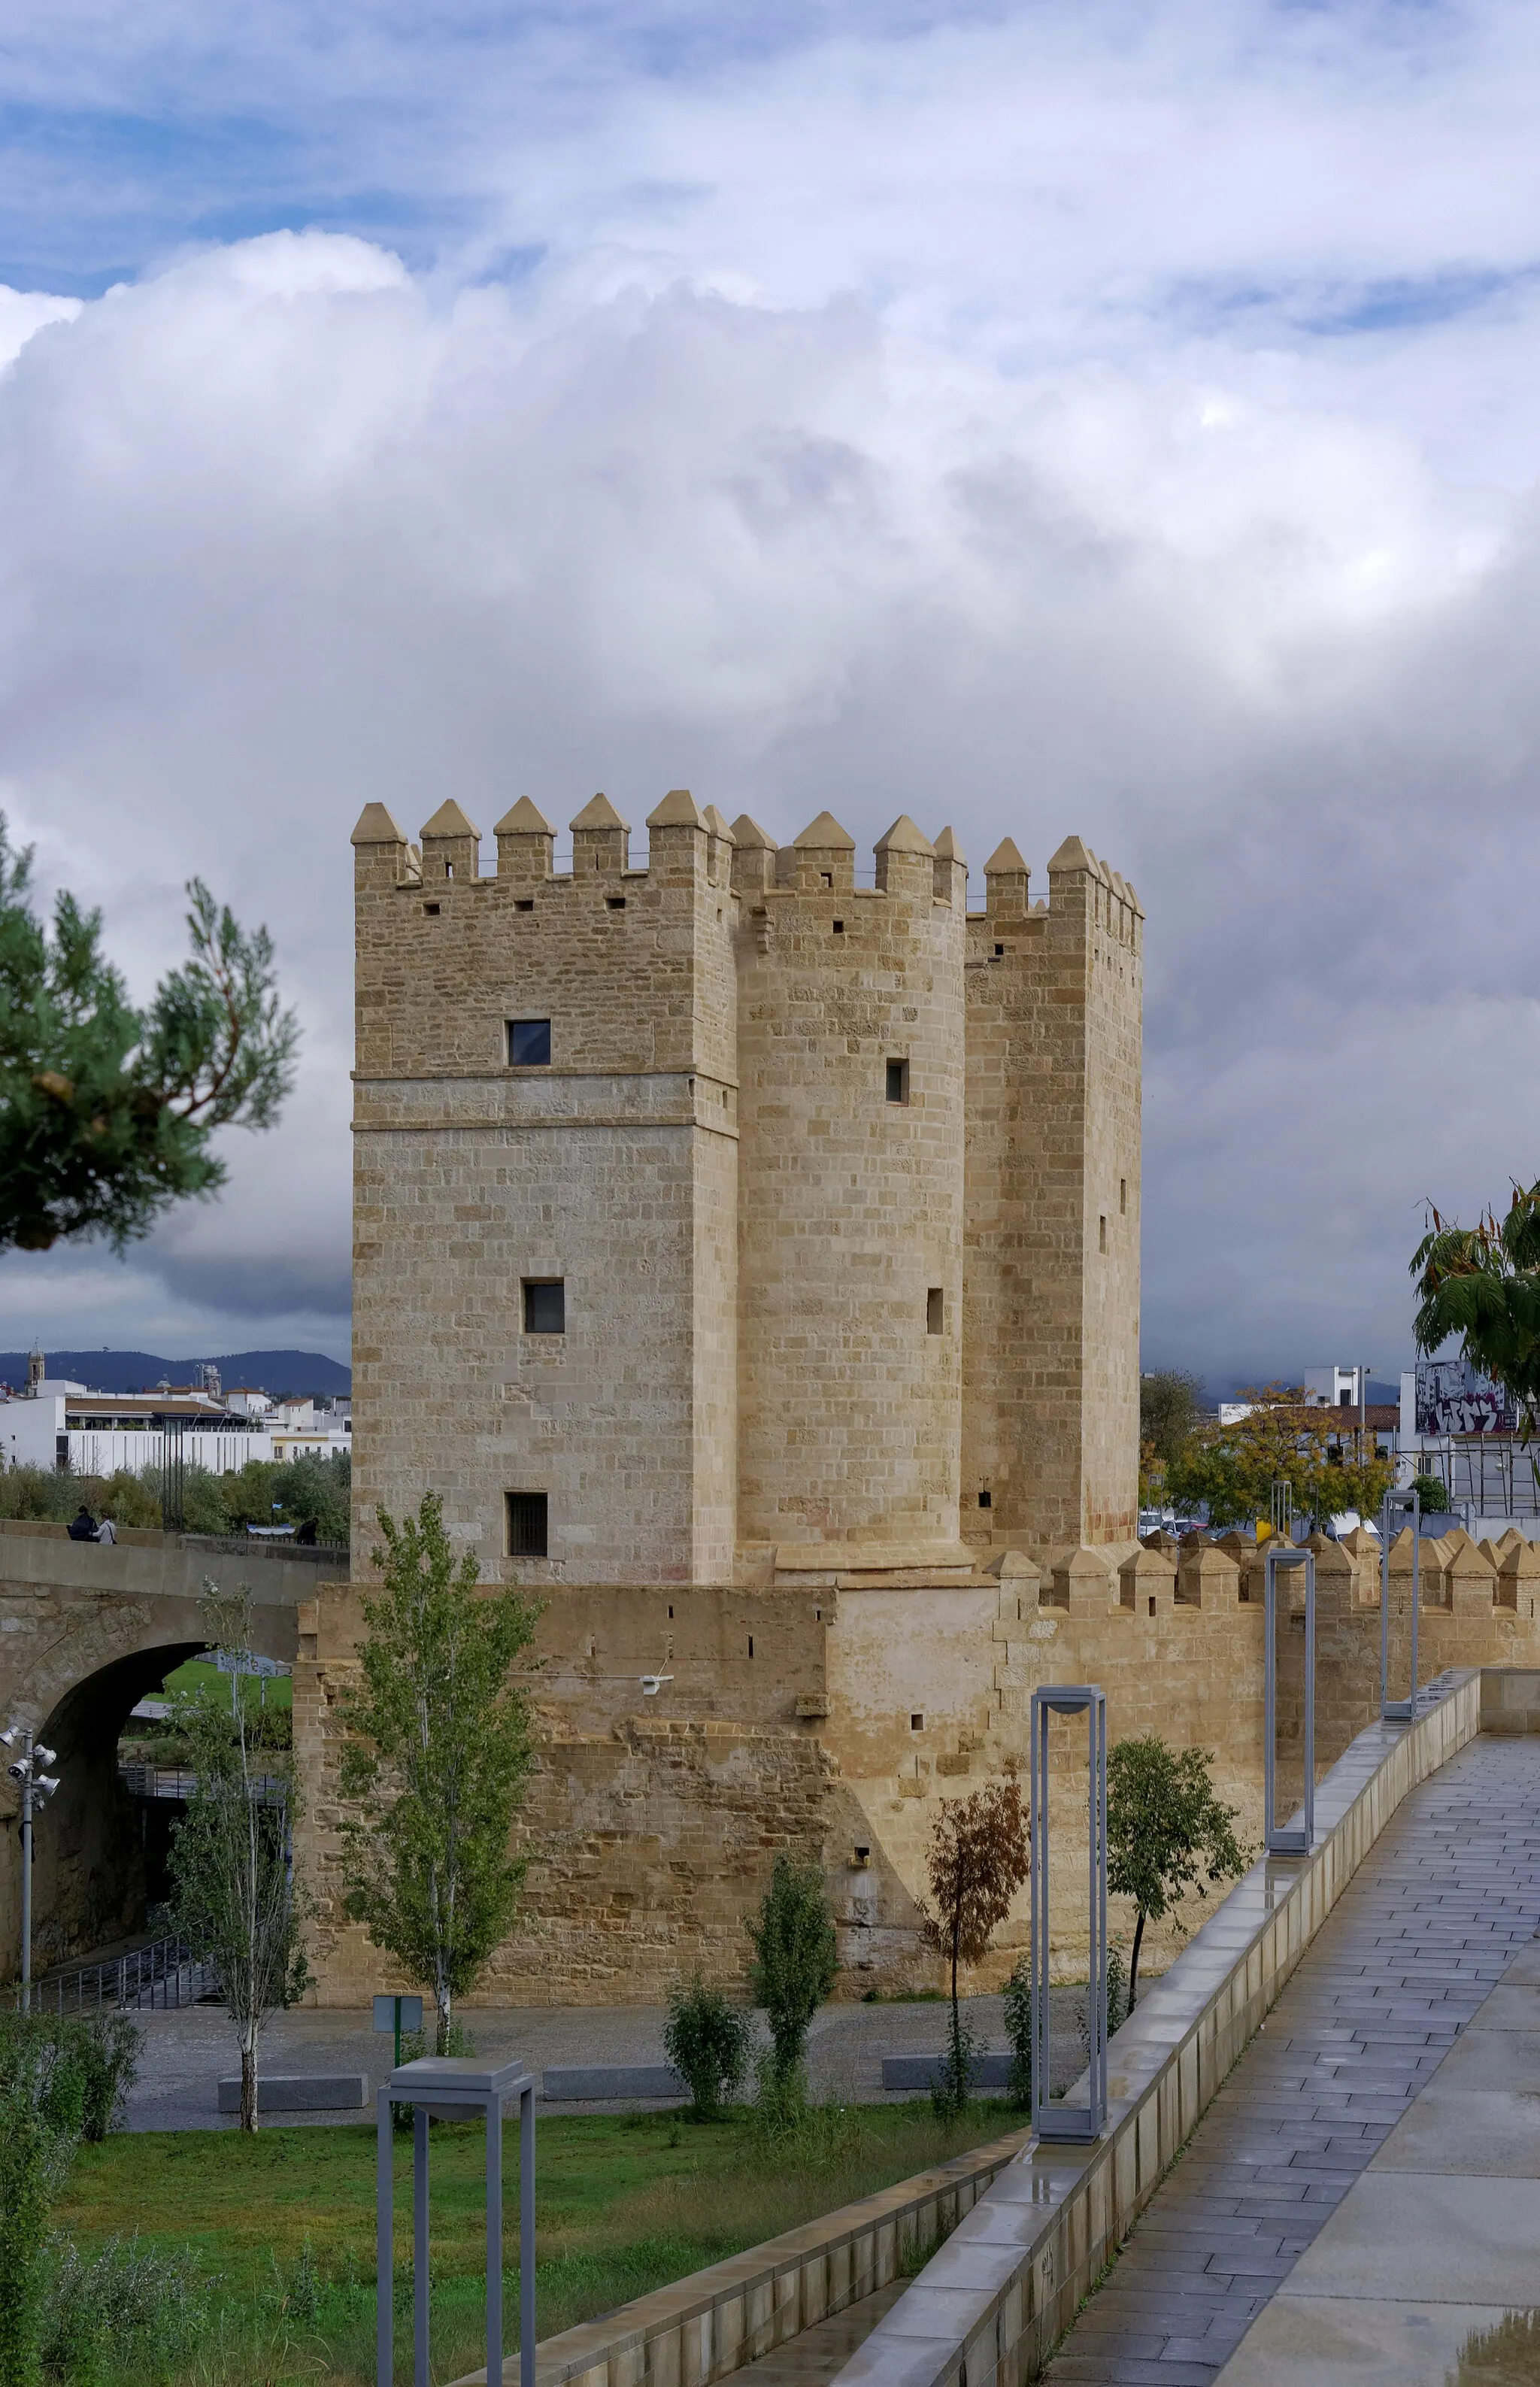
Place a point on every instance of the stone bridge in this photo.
(85, 1633)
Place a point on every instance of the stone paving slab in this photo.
(1411, 1960)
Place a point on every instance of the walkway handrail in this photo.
(167, 1972)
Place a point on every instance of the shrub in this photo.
(795, 1963)
(707, 2041)
(1431, 1492)
(1019, 2028)
(126, 2308)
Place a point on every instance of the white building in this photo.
(56, 1424)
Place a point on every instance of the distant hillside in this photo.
(128, 1371)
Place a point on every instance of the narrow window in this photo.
(1103, 1230)
(671, 1608)
(615, 902)
(449, 870)
(545, 1305)
(916, 1723)
(750, 1645)
(898, 1081)
(999, 952)
(986, 1499)
(529, 1043)
(1123, 1195)
(935, 1310)
(526, 1525)
(827, 877)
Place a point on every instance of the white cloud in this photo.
(1045, 421)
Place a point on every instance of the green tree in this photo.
(42, 2100)
(978, 1856)
(707, 2040)
(233, 1894)
(794, 1961)
(1431, 1492)
(1231, 1469)
(1167, 1418)
(439, 1752)
(106, 1112)
(1483, 1284)
(1167, 1832)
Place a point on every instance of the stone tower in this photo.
(711, 1213)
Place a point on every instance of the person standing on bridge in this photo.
(83, 1527)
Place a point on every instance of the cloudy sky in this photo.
(1119, 419)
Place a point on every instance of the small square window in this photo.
(986, 1499)
(999, 952)
(614, 903)
(526, 1525)
(529, 1043)
(432, 910)
(545, 1305)
(839, 928)
(916, 1723)
(935, 1310)
(826, 877)
(524, 903)
(898, 1081)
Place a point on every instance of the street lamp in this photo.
(36, 1788)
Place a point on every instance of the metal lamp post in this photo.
(1073, 2122)
(1279, 1842)
(449, 2088)
(1408, 1506)
(36, 1788)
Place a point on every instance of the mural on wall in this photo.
(1454, 1397)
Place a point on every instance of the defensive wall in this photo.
(829, 1715)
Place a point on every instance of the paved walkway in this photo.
(1422, 1934)
(187, 2050)
(1426, 2275)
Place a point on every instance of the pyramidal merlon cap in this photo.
(599, 812)
(524, 819)
(449, 821)
(824, 835)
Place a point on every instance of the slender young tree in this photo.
(1167, 1832)
(106, 1112)
(1482, 1284)
(979, 1857)
(794, 1961)
(439, 1754)
(232, 1869)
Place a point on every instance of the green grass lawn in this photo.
(284, 2222)
(195, 1674)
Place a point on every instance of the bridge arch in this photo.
(85, 1633)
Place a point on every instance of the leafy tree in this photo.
(978, 1856)
(233, 1888)
(794, 1961)
(42, 2094)
(439, 1754)
(106, 1112)
(707, 2040)
(1167, 1418)
(1167, 1832)
(1483, 1284)
(1431, 1492)
(1231, 1469)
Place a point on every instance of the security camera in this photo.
(16, 1773)
(46, 1785)
(7, 1739)
(44, 1756)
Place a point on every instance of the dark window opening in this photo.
(986, 1499)
(1152, 1603)
(839, 928)
(545, 1305)
(529, 1043)
(449, 870)
(1103, 1231)
(432, 910)
(524, 903)
(1123, 1194)
(750, 1645)
(898, 1081)
(999, 952)
(916, 1723)
(935, 1310)
(526, 1525)
(615, 902)
(671, 1608)
(827, 877)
